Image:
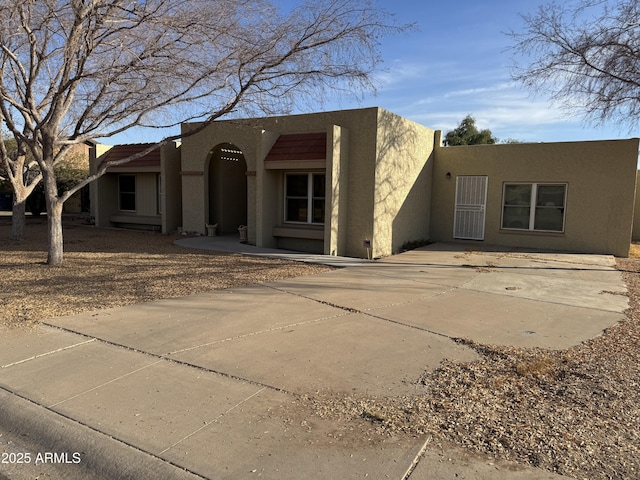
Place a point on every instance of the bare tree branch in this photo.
(585, 55)
(78, 70)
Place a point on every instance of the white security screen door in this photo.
(471, 202)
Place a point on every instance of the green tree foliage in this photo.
(468, 134)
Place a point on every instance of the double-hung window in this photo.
(304, 198)
(534, 206)
(127, 193)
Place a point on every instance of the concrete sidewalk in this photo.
(208, 386)
(231, 244)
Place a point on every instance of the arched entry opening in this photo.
(227, 188)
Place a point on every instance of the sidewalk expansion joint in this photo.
(100, 432)
(268, 330)
(417, 459)
(206, 424)
(174, 361)
(62, 349)
(539, 300)
(369, 313)
(104, 384)
(380, 273)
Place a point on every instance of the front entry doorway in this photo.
(227, 181)
(470, 208)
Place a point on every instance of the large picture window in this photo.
(534, 206)
(304, 198)
(127, 193)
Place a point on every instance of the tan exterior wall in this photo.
(101, 191)
(600, 178)
(378, 179)
(105, 197)
(336, 222)
(351, 149)
(635, 234)
(388, 181)
(171, 188)
(402, 189)
(147, 194)
(104, 194)
(196, 157)
(79, 157)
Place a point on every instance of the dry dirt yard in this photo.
(108, 267)
(575, 412)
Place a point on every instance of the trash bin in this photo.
(242, 230)
(211, 230)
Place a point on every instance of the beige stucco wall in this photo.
(107, 196)
(105, 199)
(196, 156)
(104, 192)
(77, 158)
(600, 178)
(635, 234)
(351, 153)
(336, 222)
(378, 178)
(402, 184)
(170, 164)
(98, 210)
(146, 194)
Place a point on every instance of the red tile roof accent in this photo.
(299, 146)
(120, 152)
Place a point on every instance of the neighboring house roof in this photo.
(120, 152)
(299, 146)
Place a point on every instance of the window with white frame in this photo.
(534, 206)
(127, 193)
(304, 197)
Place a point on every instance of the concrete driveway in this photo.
(206, 386)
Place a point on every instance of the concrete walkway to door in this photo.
(231, 244)
(207, 386)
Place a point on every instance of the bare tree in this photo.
(75, 70)
(20, 172)
(586, 55)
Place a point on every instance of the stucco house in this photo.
(343, 182)
(131, 195)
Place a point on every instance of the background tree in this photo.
(20, 171)
(69, 173)
(76, 70)
(468, 134)
(585, 55)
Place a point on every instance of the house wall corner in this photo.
(336, 223)
(402, 183)
(171, 187)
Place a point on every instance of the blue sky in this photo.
(457, 64)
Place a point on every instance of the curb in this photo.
(36, 442)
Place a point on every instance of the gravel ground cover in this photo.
(574, 412)
(108, 267)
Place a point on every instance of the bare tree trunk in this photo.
(54, 216)
(18, 218)
(54, 224)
